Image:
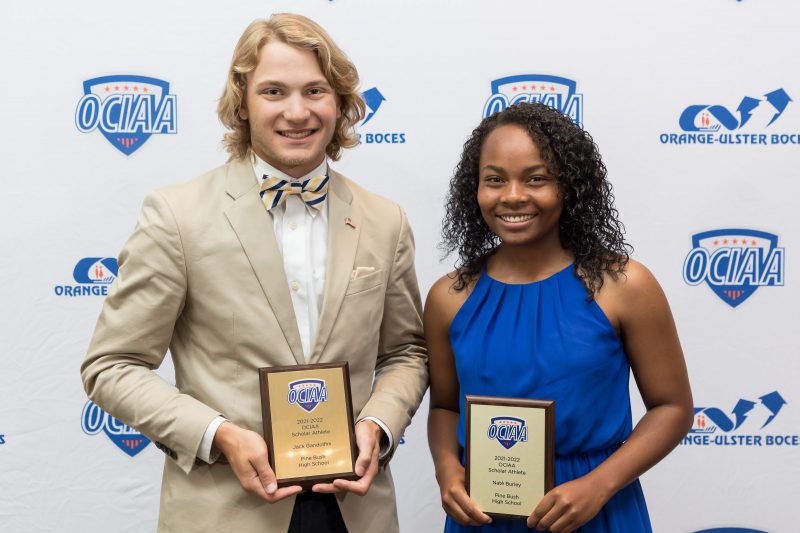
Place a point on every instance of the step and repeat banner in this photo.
(695, 107)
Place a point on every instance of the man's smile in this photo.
(296, 134)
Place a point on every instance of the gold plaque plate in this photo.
(308, 423)
(509, 453)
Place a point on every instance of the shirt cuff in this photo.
(386, 444)
(205, 452)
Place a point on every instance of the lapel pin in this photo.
(350, 222)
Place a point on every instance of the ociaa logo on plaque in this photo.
(508, 431)
(307, 393)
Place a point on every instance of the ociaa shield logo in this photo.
(127, 109)
(734, 263)
(307, 393)
(508, 430)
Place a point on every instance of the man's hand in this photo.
(368, 441)
(246, 452)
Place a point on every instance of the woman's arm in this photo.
(440, 308)
(638, 308)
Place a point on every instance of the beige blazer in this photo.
(202, 275)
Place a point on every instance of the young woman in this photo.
(546, 304)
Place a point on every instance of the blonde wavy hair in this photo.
(302, 32)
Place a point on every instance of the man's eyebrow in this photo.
(322, 81)
(270, 83)
(283, 85)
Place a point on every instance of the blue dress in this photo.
(545, 340)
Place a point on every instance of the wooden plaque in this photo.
(510, 453)
(308, 423)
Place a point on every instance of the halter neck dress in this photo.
(545, 340)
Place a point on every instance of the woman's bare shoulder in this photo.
(446, 297)
(631, 294)
(635, 281)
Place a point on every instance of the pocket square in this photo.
(360, 272)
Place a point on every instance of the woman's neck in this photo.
(528, 263)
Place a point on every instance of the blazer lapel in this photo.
(344, 226)
(253, 226)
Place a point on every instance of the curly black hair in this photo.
(589, 227)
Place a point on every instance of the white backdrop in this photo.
(70, 196)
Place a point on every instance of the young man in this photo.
(272, 259)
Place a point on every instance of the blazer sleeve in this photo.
(133, 333)
(401, 371)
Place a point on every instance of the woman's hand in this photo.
(568, 506)
(455, 500)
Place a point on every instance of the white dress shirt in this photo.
(302, 235)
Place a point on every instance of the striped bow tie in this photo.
(312, 191)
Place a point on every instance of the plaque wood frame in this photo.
(267, 417)
(548, 406)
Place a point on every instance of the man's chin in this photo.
(297, 162)
(297, 166)
(289, 162)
